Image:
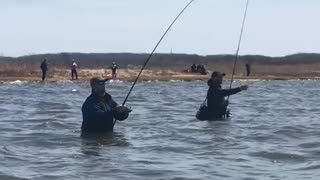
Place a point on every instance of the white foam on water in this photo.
(114, 81)
(74, 90)
(64, 81)
(172, 80)
(248, 80)
(17, 82)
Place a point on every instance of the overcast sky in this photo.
(273, 27)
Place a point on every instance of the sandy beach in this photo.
(147, 75)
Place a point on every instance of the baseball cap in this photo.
(217, 74)
(97, 81)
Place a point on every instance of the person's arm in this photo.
(112, 103)
(228, 92)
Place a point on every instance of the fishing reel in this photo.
(121, 112)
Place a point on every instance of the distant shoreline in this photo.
(162, 67)
(147, 75)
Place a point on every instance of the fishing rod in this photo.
(152, 52)
(239, 43)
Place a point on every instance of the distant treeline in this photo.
(260, 64)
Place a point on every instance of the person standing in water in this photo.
(74, 69)
(248, 69)
(114, 68)
(44, 68)
(217, 105)
(99, 110)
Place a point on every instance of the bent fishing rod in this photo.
(239, 43)
(152, 52)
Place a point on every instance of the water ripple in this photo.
(273, 133)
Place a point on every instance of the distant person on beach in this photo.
(114, 68)
(193, 68)
(99, 110)
(203, 70)
(74, 66)
(248, 69)
(44, 68)
(198, 69)
(217, 105)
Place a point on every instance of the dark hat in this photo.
(97, 81)
(217, 74)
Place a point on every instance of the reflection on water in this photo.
(272, 134)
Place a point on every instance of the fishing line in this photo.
(149, 57)
(239, 43)
(152, 52)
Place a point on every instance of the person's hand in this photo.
(244, 87)
(121, 112)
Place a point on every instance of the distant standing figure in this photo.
(74, 69)
(203, 70)
(44, 68)
(114, 68)
(199, 67)
(193, 68)
(248, 69)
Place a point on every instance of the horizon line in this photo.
(222, 54)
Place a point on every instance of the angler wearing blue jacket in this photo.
(99, 110)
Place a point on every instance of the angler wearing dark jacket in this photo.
(217, 105)
(99, 110)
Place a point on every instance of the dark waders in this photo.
(74, 73)
(44, 73)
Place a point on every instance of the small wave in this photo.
(7, 177)
(278, 156)
(4, 150)
(292, 131)
(52, 125)
(310, 145)
(313, 167)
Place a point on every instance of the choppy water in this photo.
(273, 134)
